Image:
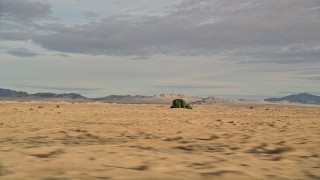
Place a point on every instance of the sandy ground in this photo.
(39, 140)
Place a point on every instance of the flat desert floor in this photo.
(59, 140)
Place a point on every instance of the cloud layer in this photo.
(24, 10)
(196, 47)
(256, 30)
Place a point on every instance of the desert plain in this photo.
(62, 141)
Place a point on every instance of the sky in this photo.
(226, 48)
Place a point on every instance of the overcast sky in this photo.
(226, 48)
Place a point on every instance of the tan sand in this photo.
(110, 141)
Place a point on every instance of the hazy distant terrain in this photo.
(12, 95)
(6, 94)
(138, 99)
(303, 98)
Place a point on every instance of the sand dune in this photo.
(59, 140)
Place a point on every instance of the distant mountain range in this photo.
(303, 98)
(138, 99)
(12, 95)
(211, 100)
(8, 94)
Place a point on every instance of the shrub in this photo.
(180, 103)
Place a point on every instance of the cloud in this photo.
(315, 78)
(23, 10)
(90, 15)
(240, 30)
(192, 83)
(21, 52)
(311, 77)
(76, 89)
(19, 19)
(63, 55)
(194, 87)
(311, 74)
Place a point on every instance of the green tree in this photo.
(180, 103)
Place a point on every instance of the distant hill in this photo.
(211, 101)
(138, 99)
(126, 99)
(7, 94)
(53, 95)
(12, 94)
(303, 98)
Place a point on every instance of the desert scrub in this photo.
(180, 103)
